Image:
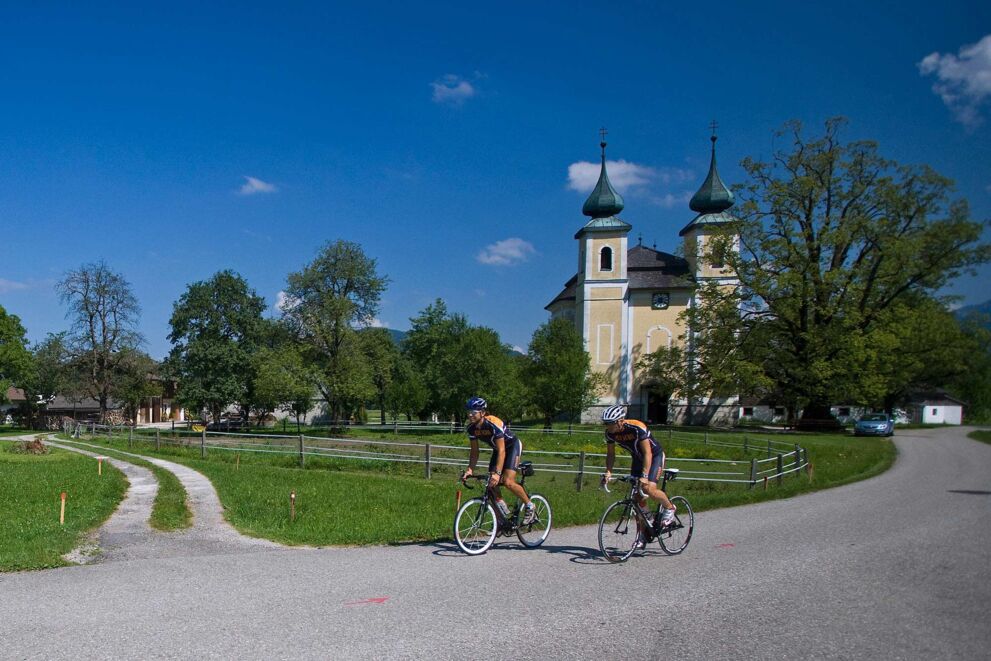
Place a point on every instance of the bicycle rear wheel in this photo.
(533, 534)
(618, 532)
(675, 537)
(475, 527)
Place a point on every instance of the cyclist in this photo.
(648, 457)
(506, 452)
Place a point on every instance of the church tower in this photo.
(601, 287)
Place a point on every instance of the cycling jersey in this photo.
(629, 438)
(489, 429)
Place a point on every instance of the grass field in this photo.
(355, 502)
(30, 534)
(982, 435)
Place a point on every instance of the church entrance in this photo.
(657, 406)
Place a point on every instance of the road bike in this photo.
(625, 526)
(478, 521)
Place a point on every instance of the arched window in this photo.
(605, 259)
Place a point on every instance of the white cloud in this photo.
(963, 81)
(452, 89)
(518, 349)
(506, 251)
(583, 175)
(253, 186)
(284, 302)
(378, 323)
(672, 200)
(7, 286)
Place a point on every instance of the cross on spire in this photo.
(602, 133)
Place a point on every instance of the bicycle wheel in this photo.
(618, 531)
(475, 527)
(533, 534)
(675, 538)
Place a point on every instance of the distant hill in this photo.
(978, 308)
(397, 335)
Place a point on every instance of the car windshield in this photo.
(877, 417)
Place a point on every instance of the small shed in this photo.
(936, 408)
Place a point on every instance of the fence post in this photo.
(581, 469)
(426, 459)
(798, 458)
(705, 439)
(203, 444)
(302, 460)
(753, 473)
(768, 448)
(158, 440)
(781, 468)
(130, 437)
(745, 445)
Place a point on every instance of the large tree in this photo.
(15, 359)
(380, 352)
(833, 237)
(103, 313)
(558, 371)
(283, 381)
(216, 326)
(336, 293)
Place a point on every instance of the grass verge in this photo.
(982, 435)
(30, 536)
(359, 502)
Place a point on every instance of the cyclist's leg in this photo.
(653, 475)
(509, 469)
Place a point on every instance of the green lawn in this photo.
(30, 534)
(355, 502)
(982, 435)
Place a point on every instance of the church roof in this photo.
(646, 268)
(711, 200)
(610, 224)
(721, 218)
(604, 200)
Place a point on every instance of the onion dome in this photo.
(713, 196)
(604, 200)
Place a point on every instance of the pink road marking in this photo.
(725, 546)
(373, 600)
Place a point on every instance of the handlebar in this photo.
(629, 479)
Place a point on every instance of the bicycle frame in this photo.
(507, 524)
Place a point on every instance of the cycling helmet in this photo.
(614, 413)
(476, 404)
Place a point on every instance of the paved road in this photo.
(897, 567)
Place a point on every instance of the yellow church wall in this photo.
(650, 328)
(595, 244)
(605, 339)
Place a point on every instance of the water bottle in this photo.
(503, 507)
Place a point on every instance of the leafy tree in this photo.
(406, 392)
(380, 353)
(832, 237)
(104, 315)
(334, 294)
(974, 385)
(137, 381)
(282, 381)
(558, 371)
(15, 359)
(51, 374)
(216, 327)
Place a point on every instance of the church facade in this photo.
(625, 301)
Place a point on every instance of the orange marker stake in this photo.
(237, 461)
(61, 514)
(99, 465)
(457, 504)
(292, 505)
(765, 483)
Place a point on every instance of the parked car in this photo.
(874, 424)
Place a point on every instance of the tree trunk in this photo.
(816, 416)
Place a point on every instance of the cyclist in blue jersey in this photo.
(648, 457)
(506, 453)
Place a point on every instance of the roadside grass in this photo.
(340, 501)
(13, 431)
(982, 435)
(30, 534)
(171, 510)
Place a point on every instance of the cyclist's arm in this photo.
(610, 456)
(500, 454)
(472, 456)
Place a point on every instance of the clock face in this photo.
(660, 301)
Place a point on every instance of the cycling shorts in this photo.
(514, 450)
(656, 464)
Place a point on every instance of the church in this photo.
(625, 300)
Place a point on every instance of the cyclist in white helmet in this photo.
(648, 457)
(506, 452)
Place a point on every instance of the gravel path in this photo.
(127, 536)
(895, 567)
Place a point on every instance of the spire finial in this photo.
(604, 200)
(640, 239)
(713, 125)
(713, 196)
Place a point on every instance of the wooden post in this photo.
(61, 514)
(705, 439)
(302, 459)
(798, 458)
(130, 437)
(237, 461)
(203, 444)
(745, 444)
(768, 448)
(753, 473)
(581, 469)
(158, 440)
(99, 466)
(426, 460)
(765, 483)
(781, 468)
(292, 505)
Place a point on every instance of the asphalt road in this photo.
(896, 567)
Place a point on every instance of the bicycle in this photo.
(618, 539)
(478, 522)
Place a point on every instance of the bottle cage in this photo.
(526, 468)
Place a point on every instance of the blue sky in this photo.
(177, 140)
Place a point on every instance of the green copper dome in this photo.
(713, 196)
(604, 200)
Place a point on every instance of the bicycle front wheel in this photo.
(533, 534)
(675, 537)
(618, 533)
(475, 527)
